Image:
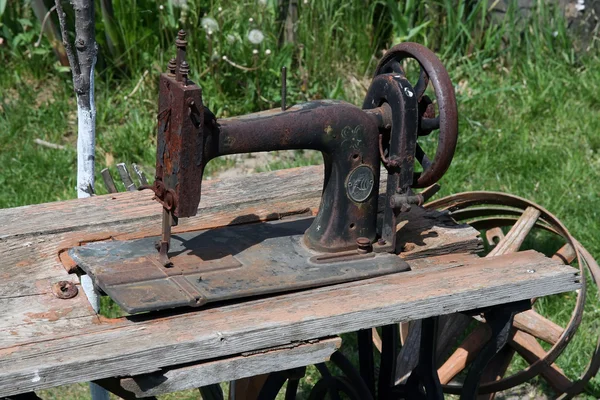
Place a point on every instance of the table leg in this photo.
(97, 392)
(500, 319)
(424, 382)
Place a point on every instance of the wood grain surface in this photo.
(46, 341)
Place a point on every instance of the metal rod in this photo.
(181, 44)
(283, 87)
(166, 226)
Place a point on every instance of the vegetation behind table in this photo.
(527, 89)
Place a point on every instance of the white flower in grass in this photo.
(250, 19)
(161, 7)
(255, 36)
(209, 24)
(220, 9)
(268, 52)
(255, 52)
(230, 38)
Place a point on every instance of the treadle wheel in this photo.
(491, 212)
(432, 72)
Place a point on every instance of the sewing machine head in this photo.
(354, 142)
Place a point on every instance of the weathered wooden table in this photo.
(46, 341)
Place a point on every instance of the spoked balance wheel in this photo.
(509, 224)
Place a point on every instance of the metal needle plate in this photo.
(220, 264)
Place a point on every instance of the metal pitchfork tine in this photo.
(125, 178)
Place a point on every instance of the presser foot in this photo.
(163, 253)
(227, 263)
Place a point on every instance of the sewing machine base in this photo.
(222, 264)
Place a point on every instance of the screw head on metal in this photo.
(64, 290)
(172, 66)
(184, 68)
(180, 41)
(364, 245)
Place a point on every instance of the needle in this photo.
(166, 238)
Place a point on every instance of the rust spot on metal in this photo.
(64, 290)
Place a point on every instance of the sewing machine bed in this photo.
(221, 264)
(47, 341)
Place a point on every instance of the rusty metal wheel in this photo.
(491, 211)
(494, 213)
(431, 71)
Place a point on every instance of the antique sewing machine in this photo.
(345, 241)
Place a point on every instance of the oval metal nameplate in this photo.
(360, 183)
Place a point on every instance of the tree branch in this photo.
(65, 39)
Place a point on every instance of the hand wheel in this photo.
(432, 71)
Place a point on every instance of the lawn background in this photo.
(527, 90)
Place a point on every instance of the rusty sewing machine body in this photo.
(343, 242)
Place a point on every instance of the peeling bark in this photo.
(83, 61)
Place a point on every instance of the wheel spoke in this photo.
(376, 339)
(532, 351)
(422, 157)
(428, 125)
(566, 254)
(451, 328)
(421, 84)
(465, 353)
(517, 234)
(538, 326)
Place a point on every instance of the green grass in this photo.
(528, 104)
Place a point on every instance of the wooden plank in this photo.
(106, 211)
(21, 277)
(147, 343)
(538, 326)
(31, 233)
(427, 233)
(41, 308)
(228, 369)
(31, 262)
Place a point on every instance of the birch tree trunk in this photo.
(82, 62)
